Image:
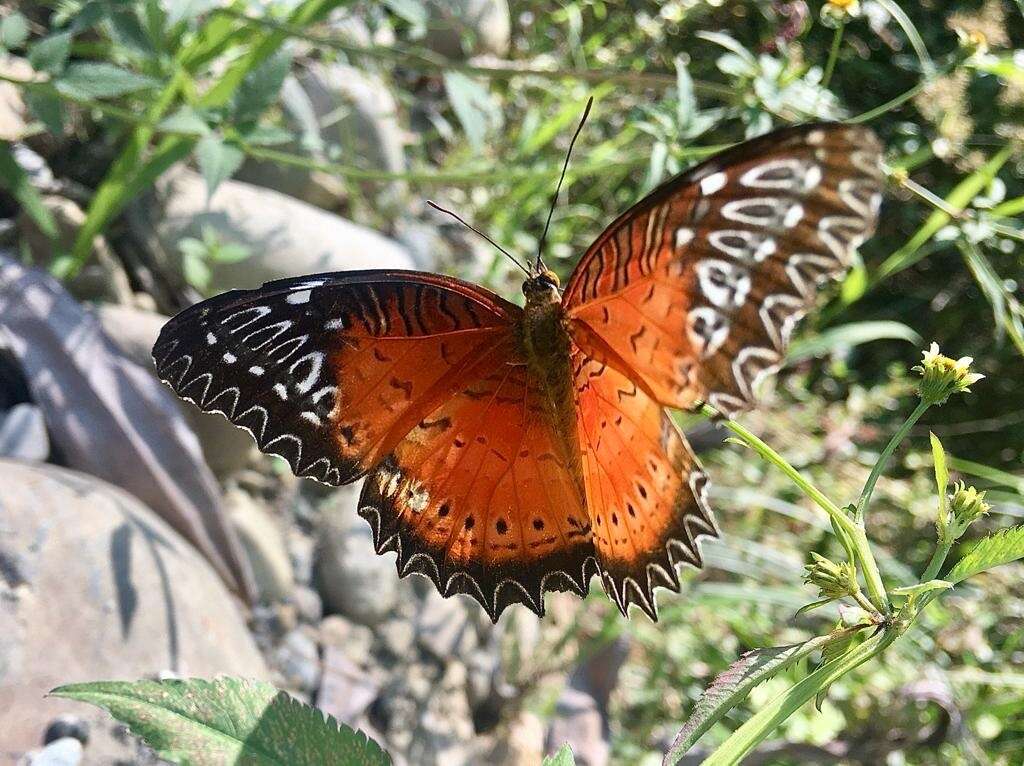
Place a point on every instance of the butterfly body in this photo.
(510, 450)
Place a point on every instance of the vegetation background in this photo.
(363, 110)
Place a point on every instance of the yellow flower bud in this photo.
(942, 376)
(832, 580)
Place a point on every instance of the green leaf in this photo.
(47, 107)
(218, 161)
(941, 473)
(733, 685)
(412, 11)
(195, 270)
(1001, 548)
(1006, 309)
(849, 335)
(855, 284)
(267, 135)
(829, 653)
(260, 88)
(185, 120)
(13, 31)
(924, 587)
(14, 179)
(474, 106)
(563, 757)
(51, 53)
(958, 199)
(813, 605)
(227, 720)
(100, 80)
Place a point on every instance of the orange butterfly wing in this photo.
(419, 381)
(690, 296)
(696, 289)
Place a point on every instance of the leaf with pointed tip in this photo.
(228, 720)
(563, 757)
(924, 587)
(941, 472)
(732, 686)
(1001, 548)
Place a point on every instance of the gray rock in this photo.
(23, 433)
(397, 635)
(356, 641)
(95, 586)
(444, 626)
(284, 236)
(578, 721)
(353, 580)
(66, 751)
(298, 660)
(444, 732)
(346, 690)
(486, 21)
(103, 278)
(521, 743)
(308, 604)
(263, 539)
(14, 114)
(226, 448)
(302, 552)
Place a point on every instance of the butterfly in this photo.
(510, 450)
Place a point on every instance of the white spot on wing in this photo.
(683, 236)
(707, 330)
(300, 296)
(229, 358)
(712, 183)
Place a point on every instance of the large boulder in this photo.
(93, 585)
(285, 237)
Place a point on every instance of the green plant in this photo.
(882, 615)
(198, 254)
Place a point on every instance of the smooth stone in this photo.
(578, 721)
(346, 691)
(102, 278)
(96, 586)
(66, 751)
(226, 448)
(355, 640)
(23, 433)
(298, 660)
(263, 539)
(353, 580)
(284, 236)
(308, 604)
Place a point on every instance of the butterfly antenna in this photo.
(565, 166)
(480, 233)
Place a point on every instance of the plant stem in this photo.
(938, 559)
(833, 54)
(876, 472)
(757, 728)
(856, 537)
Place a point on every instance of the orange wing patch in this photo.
(644, 488)
(697, 288)
(483, 497)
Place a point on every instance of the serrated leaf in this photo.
(227, 720)
(563, 757)
(101, 80)
(732, 686)
(473, 105)
(185, 120)
(51, 53)
(218, 161)
(1001, 548)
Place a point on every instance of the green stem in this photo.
(833, 54)
(856, 539)
(763, 723)
(938, 559)
(876, 472)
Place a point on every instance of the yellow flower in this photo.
(942, 376)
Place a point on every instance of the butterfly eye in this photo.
(550, 276)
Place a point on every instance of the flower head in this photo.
(942, 376)
(835, 12)
(832, 579)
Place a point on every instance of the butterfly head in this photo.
(542, 287)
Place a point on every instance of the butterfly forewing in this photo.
(331, 371)
(696, 289)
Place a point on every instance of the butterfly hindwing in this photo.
(484, 497)
(644, 488)
(697, 288)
